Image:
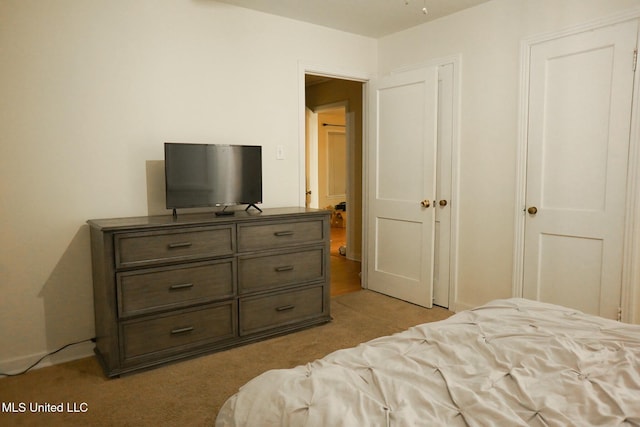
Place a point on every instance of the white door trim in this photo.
(631, 270)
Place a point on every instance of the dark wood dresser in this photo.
(167, 288)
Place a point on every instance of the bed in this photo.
(512, 362)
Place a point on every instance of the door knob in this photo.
(532, 210)
(442, 203)
(425, 203)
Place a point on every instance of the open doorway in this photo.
(333, 175)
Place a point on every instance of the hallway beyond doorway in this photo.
(345, 273)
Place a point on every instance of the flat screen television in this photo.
(212, 175)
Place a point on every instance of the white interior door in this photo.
(442, 248)
(402, 188)
(311, 159)
(580, 97)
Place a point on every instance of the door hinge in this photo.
(619, 314)
(635, 59)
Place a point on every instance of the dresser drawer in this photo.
(156, 247)
(260, 313)
(279, 234)
(151, 290)
(178, 332)
(262, 272)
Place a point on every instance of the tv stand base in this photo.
(253, 205)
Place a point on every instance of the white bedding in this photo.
(511, 362)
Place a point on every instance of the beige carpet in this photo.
(191, 392)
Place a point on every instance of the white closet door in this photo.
(402, 188)
(580, 99)
(444, 170)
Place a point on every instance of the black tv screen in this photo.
(200, 175)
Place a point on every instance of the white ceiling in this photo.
(372, 18)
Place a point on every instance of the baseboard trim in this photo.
(19, 364)
(462, 306)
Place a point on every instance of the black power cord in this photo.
(45, 356)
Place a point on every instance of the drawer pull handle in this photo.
(182, 330)
(284, 268)
(283, 233)
(180, 286)
(285, 308)
(179, 245)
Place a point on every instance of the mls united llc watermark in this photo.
(47, 407)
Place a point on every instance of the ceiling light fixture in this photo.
(424, 7)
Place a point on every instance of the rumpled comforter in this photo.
(511, 362)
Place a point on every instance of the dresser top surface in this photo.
(207, 218)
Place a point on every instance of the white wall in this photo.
(90, 91)
(488, 39)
